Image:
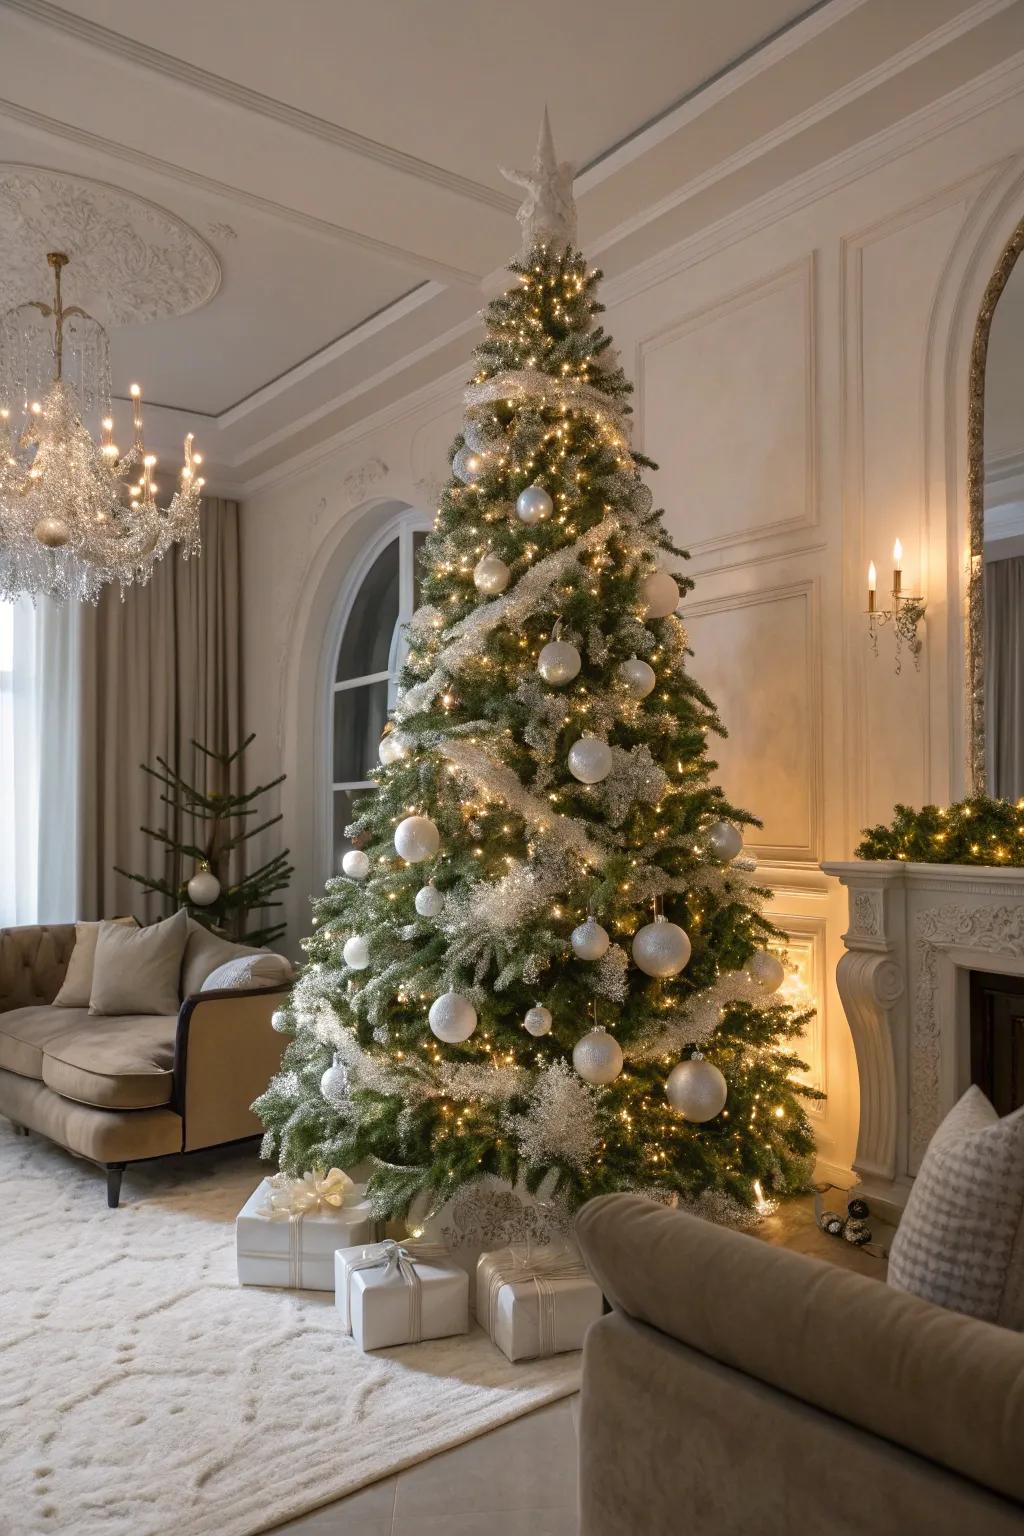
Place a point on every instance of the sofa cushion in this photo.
(205, 952)
(138, 970)
(77, 984)
(263, 969)
(106, 1136)
(25, 1033)
(123, 1062)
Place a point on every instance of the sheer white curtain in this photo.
(39, 727)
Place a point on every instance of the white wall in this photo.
(801, 379)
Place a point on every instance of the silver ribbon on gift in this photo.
(543, 1268)
(400, 1259)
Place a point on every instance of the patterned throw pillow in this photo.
(260, 969)
(960, 1243)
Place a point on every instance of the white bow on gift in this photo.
(314, 1191)
(400, 1259)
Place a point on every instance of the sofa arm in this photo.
(936, 1382)
(33, 963)
(225, 1053)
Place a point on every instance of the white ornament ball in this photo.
(416, 839)
(393, 748)
(659, 595)
(355, 864)
(590, 941)
(724, 841)
(203, 888)
(334, 1083)
(429, 901)
(53, 532)
(537, 1020)
(468, 466)
(597, 1057)
(533, 505)
(452, 1017)
(491, 575)
(661, 948)
(559, 662)
(356, 953)
(637, 677)
(696, 1089)
(767, 970)
(590, 760)
(279, 1020)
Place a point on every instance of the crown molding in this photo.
(143, 56)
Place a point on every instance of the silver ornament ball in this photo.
(452, 1018)
(533, 505)
(724, 841)
(696, 1089)
(767, 970)
(356, 953)
(637, 677)
(661, 948)
(334, 1083)
(491, 575)
(590, 941)
(590, 760)
(537, 1020)
(416, 839)
(203, 888)
(559, 662)
(429, 901)
(52, 532)
(659, 595)
(279, 1020)
(355, 864)
(468, 466)
(393, 748)
(597, 1057)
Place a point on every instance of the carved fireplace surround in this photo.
(916, 932)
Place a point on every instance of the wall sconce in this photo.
(905, 615)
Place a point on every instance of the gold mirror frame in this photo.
(976, 509)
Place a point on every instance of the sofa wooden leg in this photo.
(115, 1173)
(19, 1130)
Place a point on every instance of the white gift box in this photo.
(391, 1293)
(296, 1249)
(535, 1301)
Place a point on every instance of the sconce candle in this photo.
(905, 615)
(872, 585)
(897, 567)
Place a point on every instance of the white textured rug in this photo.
(143, 1391)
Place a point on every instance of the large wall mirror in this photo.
(996, 460)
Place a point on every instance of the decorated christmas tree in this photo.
(546, 958)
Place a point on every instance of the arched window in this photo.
(371, 650)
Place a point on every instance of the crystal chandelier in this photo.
(75, 512)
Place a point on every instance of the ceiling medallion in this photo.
(76, 513)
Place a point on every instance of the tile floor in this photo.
(520, 1480)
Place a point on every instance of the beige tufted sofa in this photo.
(122, 1090)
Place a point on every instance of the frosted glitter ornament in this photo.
(416, 839)
(52, 532)
(356, 953)
(491, 575)
(452, 1018)
(637, 677)
(659, 595)
(537, 1020)
(590, 941)
(724, 841)
(661, 948)
(203, 888)
(429, 902)
(334, 1083)
(559, 662)
(393, 748)
(696, 1089)
(597, 1057)
(590, 760)
(279, 1020)
(533, 505)
(468, 466)
(355, 864)
(767, 970)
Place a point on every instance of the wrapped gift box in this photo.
(391, 1293)
(535, 1301)
(293, 1247)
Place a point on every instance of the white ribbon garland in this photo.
(522, 384)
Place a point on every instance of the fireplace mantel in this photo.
(916, 932)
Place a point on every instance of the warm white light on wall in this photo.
(906, 613)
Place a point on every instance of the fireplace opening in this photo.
(997, 1038)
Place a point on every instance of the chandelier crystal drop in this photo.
(76, 512)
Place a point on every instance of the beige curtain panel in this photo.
(160, 669)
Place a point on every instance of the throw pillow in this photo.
(138, 969)
(262, 969)
(960, 1243)
(204, 952)
(77, 985)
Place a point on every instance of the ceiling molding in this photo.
(145, 57)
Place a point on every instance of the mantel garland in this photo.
(978, 830)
